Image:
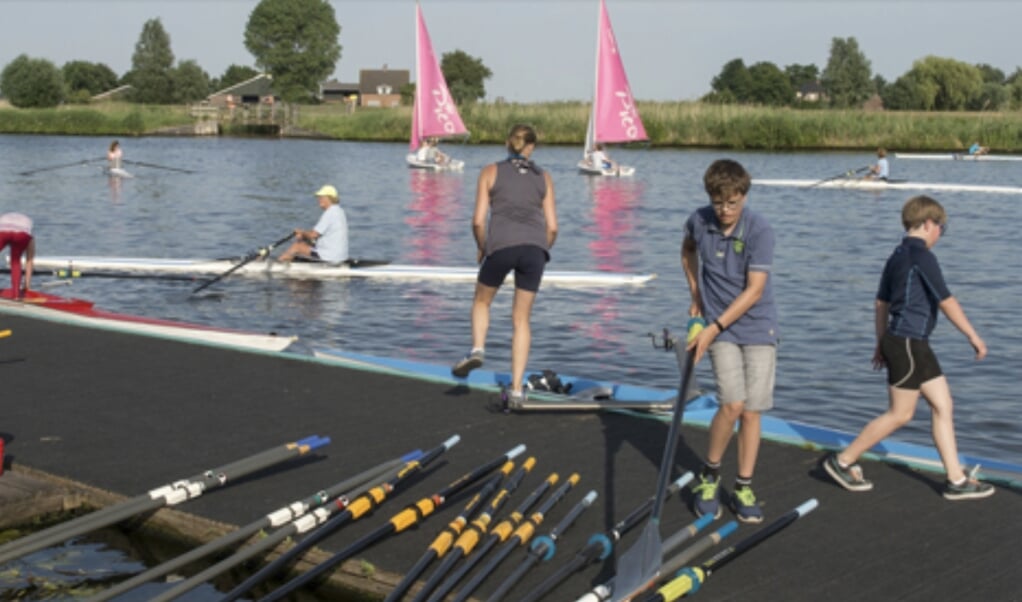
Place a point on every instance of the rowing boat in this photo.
(699, 411)
(879, 185)
(82, 312)
(67, 266)
(957, 157)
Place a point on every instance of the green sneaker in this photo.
(745, 506)
(707, 499)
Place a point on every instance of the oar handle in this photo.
(260, 252)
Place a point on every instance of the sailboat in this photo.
(614, 117)
(434, 115)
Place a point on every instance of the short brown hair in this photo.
(918, 209)
(726, 178)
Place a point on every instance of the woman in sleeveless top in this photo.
(515, 225)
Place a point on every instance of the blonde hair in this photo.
(920, 209)
(521, 135)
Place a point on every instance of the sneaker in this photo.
(707, 499)
(850, 478)
(971, 489)
(745, 506)
(467, 364)
(514, 400)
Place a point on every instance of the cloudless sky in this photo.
(542, 50)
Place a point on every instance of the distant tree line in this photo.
(295, 41)
(932, 84)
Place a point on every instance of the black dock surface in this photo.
(128, 413)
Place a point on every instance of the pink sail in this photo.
(434, 113)
(614, 118)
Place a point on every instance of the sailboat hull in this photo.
(622, 171)
(451, 165)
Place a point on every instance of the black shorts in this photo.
(528, 262)
(910, 362)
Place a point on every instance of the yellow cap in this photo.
(327, 190)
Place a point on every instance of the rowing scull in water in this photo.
(112, 266)
(957, 157)
(860, 184)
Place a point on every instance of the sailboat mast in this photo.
(591, 130)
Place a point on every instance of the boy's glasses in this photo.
(729, 205)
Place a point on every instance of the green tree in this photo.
(951, 84)
(991, 74)
(191, 83)
(770, 86)
(1014, 88)
(28, 82)
(799, 75)
(908, 93)
(93, 78)
(235, 74)
(847, 77)
(733, 82)
(151, 74)
(464, 75)
(295, 41)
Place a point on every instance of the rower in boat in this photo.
(114, 159)
(881, 170)
(328, 239)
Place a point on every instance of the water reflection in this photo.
(114, 183)
(433, 214)
(614, 201)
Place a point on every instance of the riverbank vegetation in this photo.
(669, 124)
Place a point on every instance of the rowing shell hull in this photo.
(311, 271)
(699, 411)
(957, 157)
(83, 313)
(880, 185)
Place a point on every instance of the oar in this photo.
(846, 174)
(468, 540)
(273, 520)
(641, 563)
(168, 495)
(143, 164)
(82, 162)
(410, 516)
(447, 538)
(520, 537)
(262, 252)
(689, 579)
(542, 548)
(601, 545)
(605, 590)
(323, 524)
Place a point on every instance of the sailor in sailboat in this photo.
(430, 153)
(599, 159)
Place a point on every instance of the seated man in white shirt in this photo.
(328, 239)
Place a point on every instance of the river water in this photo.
(831, 246)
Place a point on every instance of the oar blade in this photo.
(640, 564)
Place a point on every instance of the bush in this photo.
(28, 82)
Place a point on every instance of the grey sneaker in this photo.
(707, 497)
(850, 478)
(971, 489)
(467, 364)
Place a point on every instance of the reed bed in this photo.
(668, 124)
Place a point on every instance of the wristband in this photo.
(716, 323)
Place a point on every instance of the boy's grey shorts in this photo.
(745, 373)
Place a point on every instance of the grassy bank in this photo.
(669, 124)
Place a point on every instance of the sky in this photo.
(543, 50)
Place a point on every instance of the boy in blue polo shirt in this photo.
(727, 256)
(911, 291)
